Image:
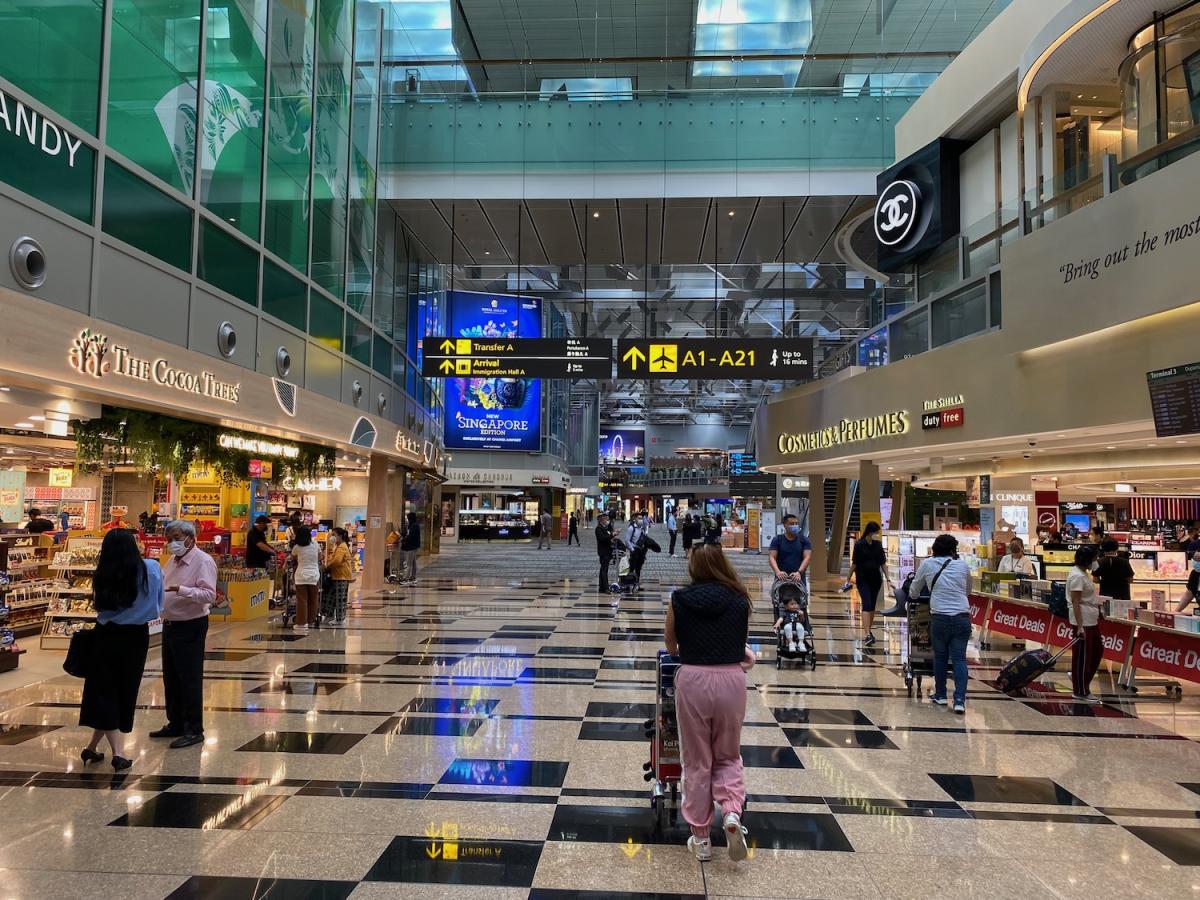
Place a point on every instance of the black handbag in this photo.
(80, 653)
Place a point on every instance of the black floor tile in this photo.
(560, 650)
(205, 811)
(286, 637)
(450, 706)
(646, 638)
(302, 742)
(18, 734)
(231, 655)
(212, 887)
(474, 862)
(623, 824)
(820, 717)
(612, 731)
(411, 659)
(1180, 845)
(454, 641)
(538, 672)
(375, 790)
(1005, 789)
(428, 620)
(320, 668)
(511, 772)
(310, 688)
(606, 710)
(629, 665)
(434, 726)
(1066, 707)
(760, 757)
(1002, 815)
(840, 738)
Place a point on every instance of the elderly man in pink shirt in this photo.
(189, 589)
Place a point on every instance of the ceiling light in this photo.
(37, 418)
(487, 252)
(1181, 442)
(731, 214)
(1110, 447)
(596, 214)
(30, 425)
(5, 388)
(1062, 435)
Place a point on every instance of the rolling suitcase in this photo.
(1027, 666)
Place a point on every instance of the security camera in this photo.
(1032, 442)
(1027, 456)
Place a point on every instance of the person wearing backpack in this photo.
(948, 581)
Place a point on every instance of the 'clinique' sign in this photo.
(848, 431)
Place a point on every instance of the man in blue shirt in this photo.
(791, 552)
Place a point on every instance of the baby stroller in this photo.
(782, 592)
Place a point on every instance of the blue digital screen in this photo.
(494, 413)
(622, 446)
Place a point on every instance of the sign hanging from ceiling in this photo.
(789, 359)
(917, 209)
(517, 358)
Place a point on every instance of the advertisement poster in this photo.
(622, 446)
(12, 496)
(494, 413)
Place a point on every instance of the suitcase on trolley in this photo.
(665, 767)
(1027, 667)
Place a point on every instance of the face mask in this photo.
(793, 529)
(1196, 565)
(1096, 566)
(177, 548)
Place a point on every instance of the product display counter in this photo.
(906, 549)
(475, 525)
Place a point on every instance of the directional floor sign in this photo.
(789, 359)
(517, 358)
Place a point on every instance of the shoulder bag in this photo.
(80, 653)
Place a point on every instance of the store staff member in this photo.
(1017, 562)
(604, 549)
(36, 524)
(1114, 573)
(258, 551)
(189, 589)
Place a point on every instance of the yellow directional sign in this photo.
(463, 347)
(447, 365)
(447, 345)
(633, 356)
(664, 357)
(462, 367)
(517, 358)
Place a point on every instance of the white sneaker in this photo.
(1090, 699)
(701, 848)
(735, 837)
(303, 629)
(792, 647)
(960, 708)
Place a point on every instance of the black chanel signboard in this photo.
(917, 206)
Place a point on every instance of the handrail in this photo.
(1151, 153)
(1058, 199)
(994, 234)
(639, 94)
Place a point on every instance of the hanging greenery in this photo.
(149, 441)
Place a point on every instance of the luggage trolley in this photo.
(666, 766)
(919, 660)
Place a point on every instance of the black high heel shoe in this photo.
(90, 756)
(119, 763)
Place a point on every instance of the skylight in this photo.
(423, 30)
(749, 28)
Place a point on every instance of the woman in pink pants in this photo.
(707, 626)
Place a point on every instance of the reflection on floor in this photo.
(481, 735)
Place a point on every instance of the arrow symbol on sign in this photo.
(632, 355)
(433, 852)
(447, 365)
(447, 346)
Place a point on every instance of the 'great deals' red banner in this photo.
(1114, 633)
(1026, 622)
(979, 607)
(1168, 653)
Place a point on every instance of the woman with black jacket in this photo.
(707, 625)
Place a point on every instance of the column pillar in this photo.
(816, 526)
(868, 492)
(377, 517)
(896, 519)
(841, 519)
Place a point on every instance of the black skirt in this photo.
(110, 692)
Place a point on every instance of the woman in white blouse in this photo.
(1017, 562)
(1084, 607)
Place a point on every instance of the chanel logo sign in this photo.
(896, 212)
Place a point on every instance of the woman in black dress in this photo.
(128, 594)
(869, 563)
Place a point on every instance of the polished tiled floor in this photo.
(480, 735)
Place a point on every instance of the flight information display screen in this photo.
(1175, 399)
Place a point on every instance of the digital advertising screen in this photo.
(622, 446)
(493, 413)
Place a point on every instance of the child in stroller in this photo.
(792, 626)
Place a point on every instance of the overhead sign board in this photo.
(1175, 400)
(761, 485)
(767, 358)
(471, 357)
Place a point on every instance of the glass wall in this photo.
(242, 147)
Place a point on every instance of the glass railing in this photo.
(678, 130)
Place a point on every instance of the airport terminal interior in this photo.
(599, 448)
